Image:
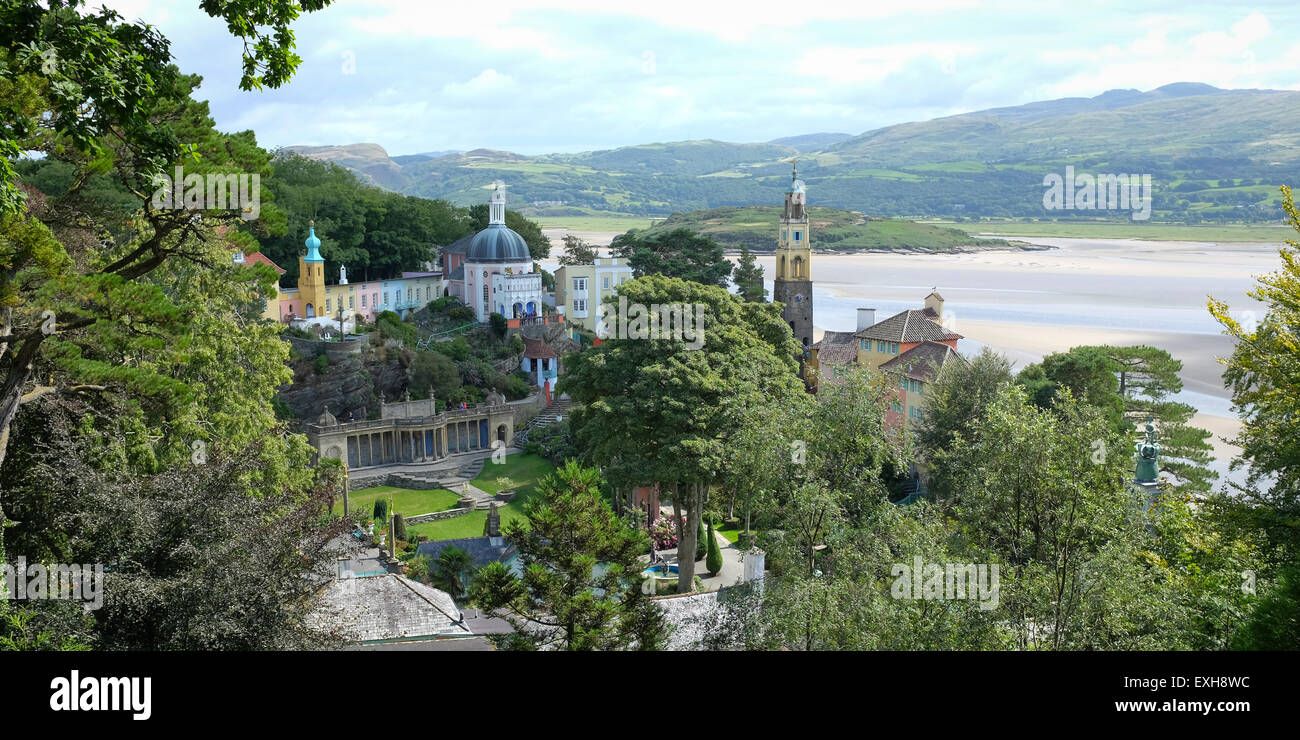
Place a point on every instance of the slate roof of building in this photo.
(923, 361)
(386, 607)
(837, 348)
(460, 246)
(537, 349)
(457, 274)
(480, 550)
(912, 325)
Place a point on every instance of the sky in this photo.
(532, 77)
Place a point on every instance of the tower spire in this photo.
(497, 208)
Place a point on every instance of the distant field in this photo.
(1131, 230)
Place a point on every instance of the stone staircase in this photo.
(548, 416)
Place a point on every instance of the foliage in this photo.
(748, 277)
(713, 560)
(450, 572)
(577, 252)
(1263, 374)
(679, 253)
(563, 600)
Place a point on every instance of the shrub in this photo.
(399, 527)
(381, 510)
(499, 325)
(322, 364)
(700, 544)
(713, 562)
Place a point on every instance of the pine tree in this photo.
(748, 277)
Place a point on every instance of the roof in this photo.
(912, 325)
(420, 274)
(460, 246)
(457, 275)
(386, 607)
(935, 294)
(837, 348)
(923, 361)
(497, 243)
(480, 550)
(260, 258)
(537, 349)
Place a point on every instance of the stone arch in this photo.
(311, 311)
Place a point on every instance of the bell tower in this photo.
(311, 276)
(793, 282)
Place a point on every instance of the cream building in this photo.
(579, 289)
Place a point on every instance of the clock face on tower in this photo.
(798, 297)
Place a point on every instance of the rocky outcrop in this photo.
(351, 387)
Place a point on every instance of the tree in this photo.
(563, 600)
(1129, 385)
(748, 277)
(399, 527)
(713, 561)
(449, 571)
(96, 93)
(380, 510)
(658, 411)
(1059, 518)
(680, 253)
(1263, 373)
(577, 252)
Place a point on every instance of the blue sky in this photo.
(536, 77)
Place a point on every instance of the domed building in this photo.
(491, 271)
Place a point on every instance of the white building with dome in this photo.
(492, 271)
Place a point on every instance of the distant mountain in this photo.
(370, 161)
(811, 142)
(1213, 154)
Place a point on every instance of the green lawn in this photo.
(407, 502)
(730, 532)
(523, 471)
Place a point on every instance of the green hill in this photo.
(1215, 156)
(831, 230)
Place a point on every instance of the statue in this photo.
(1148, 466)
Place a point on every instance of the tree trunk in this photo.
(687, 542)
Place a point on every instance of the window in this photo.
(385, 298)
(579, 305)
(374, 299)
(352, 301)
(580, 283)
(605, 283)
(328, 309)
(363, 300)
(864, 345)
(898, 406)
(797, 235)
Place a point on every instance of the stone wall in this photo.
(335, 351)
(437, 516)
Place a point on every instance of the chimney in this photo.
(866, 318)
(934, 302)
